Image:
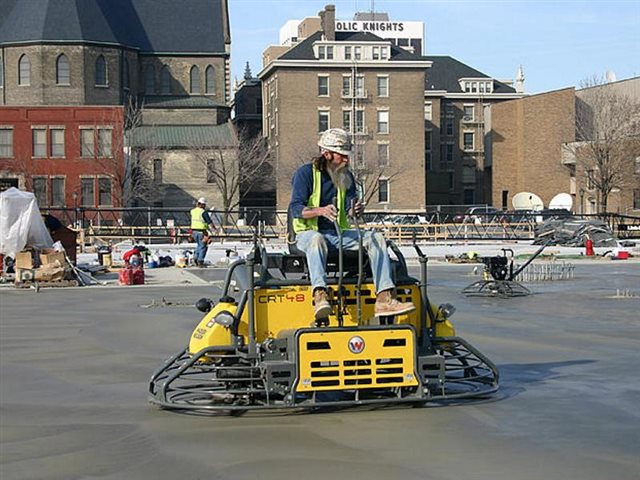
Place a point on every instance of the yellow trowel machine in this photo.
(258, 346)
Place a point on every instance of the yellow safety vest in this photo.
(302, 224)
(197, 223)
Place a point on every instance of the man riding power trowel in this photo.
(314, 188)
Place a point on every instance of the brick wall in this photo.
(296, 129)
(527, 135)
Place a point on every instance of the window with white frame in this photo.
(375, 52)
(329, 52)
(63, 75)
(383, 86)
(210, 80)
(359, 121)
(323, 120)
(428, 111)
(347, 52)
(346, 86)
(105, 136)
(104, 191)
(24, 71)
(39, 141)
(323, 86)
(637, 164)
(322, 52)
(57, 142)
(383, 190)
(384, 53)
(194, 80)
(87, 142)
(87, 192)
(359, 88)
(383, 121)
(467, 113)
(383, 154)
(40, 190)
(358, 155)
(467, 140)
(6, 142)
(57, 191)
(346, 120)
(357, 53)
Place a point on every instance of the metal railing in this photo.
(165, 225)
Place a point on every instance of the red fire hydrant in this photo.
(588, 245)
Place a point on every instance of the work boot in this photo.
(321, 302)
(387, 305)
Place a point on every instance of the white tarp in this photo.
(20, 223)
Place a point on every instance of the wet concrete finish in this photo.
(74, 366)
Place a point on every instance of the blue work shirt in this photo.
(302, 187)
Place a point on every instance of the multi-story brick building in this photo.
(359, 82)
(66, 155)
(78, 55)
(536, 143)
(417, 122)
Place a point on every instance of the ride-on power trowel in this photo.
(258, 351)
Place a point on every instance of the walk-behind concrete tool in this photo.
(499, 277)
(258, 351)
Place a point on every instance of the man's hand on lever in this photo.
(357, 209)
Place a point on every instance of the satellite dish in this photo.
(527, 201)
(561, 201)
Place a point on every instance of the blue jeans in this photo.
(316, 245)
(201, 246)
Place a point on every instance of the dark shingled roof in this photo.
(445, 72)
(304, 50)
(170, 26)
(180, 101)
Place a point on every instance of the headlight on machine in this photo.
(224, 318)
(446, 310)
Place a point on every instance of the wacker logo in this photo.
(356, 344)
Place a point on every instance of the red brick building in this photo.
(68, 156)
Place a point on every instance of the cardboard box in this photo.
(53, 258)
(24, 260)
(49, 274)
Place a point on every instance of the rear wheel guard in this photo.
(225, 380)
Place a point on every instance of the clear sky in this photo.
(559, 43)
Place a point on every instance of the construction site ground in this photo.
(75, 362)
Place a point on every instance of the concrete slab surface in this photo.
(74, 367)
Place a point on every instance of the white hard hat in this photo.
(335, 140)
(202, 200)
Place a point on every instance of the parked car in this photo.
(405, 219)
(535, 216)
(479, 215)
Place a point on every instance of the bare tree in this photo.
(608, 134)
(234, 170)
(368, 177)
(127, 160)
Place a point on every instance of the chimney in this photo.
(328, 22)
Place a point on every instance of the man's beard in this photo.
(340, 177)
